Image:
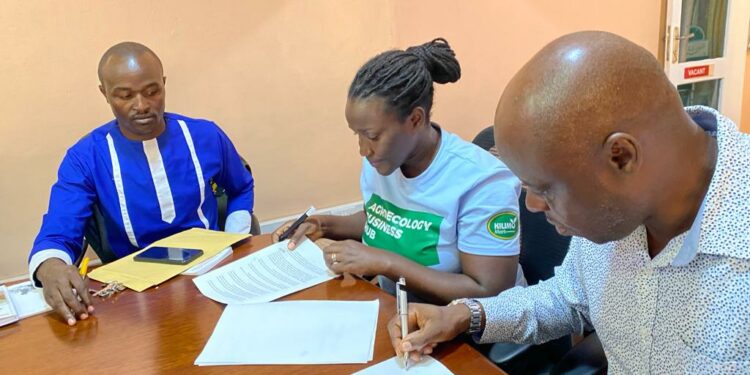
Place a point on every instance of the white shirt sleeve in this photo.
(488, 220)
(550, 309)
(238, 222)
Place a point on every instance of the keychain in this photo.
(108, 290)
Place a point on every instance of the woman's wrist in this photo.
(387, 264)
(323, 225)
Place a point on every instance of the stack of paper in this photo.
(140, 276)
(27, 299)
(206, 265)
(7, 312)
(267, 274)
(290, 332)
(395, 366)
(293, 332)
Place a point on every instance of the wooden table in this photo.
(163, 329)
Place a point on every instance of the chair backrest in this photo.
(542, 248)
(485, 138)
(95, 235)
(221, 205)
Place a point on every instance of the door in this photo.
(705, 51)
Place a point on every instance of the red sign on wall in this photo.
(698, 71)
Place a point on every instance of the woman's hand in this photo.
(312, 228)
(356, 258)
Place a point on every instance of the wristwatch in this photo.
(475, 322)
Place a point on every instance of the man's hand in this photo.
(428, 326)
(356, 258)
(64, 290)
(310, 228)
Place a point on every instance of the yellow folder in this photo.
(140, 276)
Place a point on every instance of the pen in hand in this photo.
(402, 308)
(84, 267)
(289, 231)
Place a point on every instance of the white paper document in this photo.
(7, 312)
(293, 332)
(266, 275)
(394, 366)
(27, 300)
(206, 265)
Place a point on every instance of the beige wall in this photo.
(493, 39)
(272, 73)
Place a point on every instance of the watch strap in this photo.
(475, 320)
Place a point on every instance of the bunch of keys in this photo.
(108, 290)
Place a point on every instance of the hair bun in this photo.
(439, 59)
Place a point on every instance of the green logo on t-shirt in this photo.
(503, 225)
(411, 234)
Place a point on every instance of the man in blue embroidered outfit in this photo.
(148, 171)
(657, 197)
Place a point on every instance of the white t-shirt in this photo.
(466, 200)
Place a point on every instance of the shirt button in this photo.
(645, 333)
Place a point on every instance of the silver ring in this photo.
(333, 257)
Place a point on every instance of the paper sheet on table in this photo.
(266, 275)
(394, 366)
(7, 311)
(140, 276)
(293, 332)
(207, 264)
(27, 299)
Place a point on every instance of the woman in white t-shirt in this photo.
(439, 211)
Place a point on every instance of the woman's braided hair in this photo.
(404, 78)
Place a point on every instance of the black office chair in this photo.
(586, 358)
(95, 233)
(542, 249)
(485, 138)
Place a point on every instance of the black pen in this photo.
(288, 232)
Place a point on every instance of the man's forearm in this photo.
(532, 315)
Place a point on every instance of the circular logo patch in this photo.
(503, 225)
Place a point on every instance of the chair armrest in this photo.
(504, 352)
